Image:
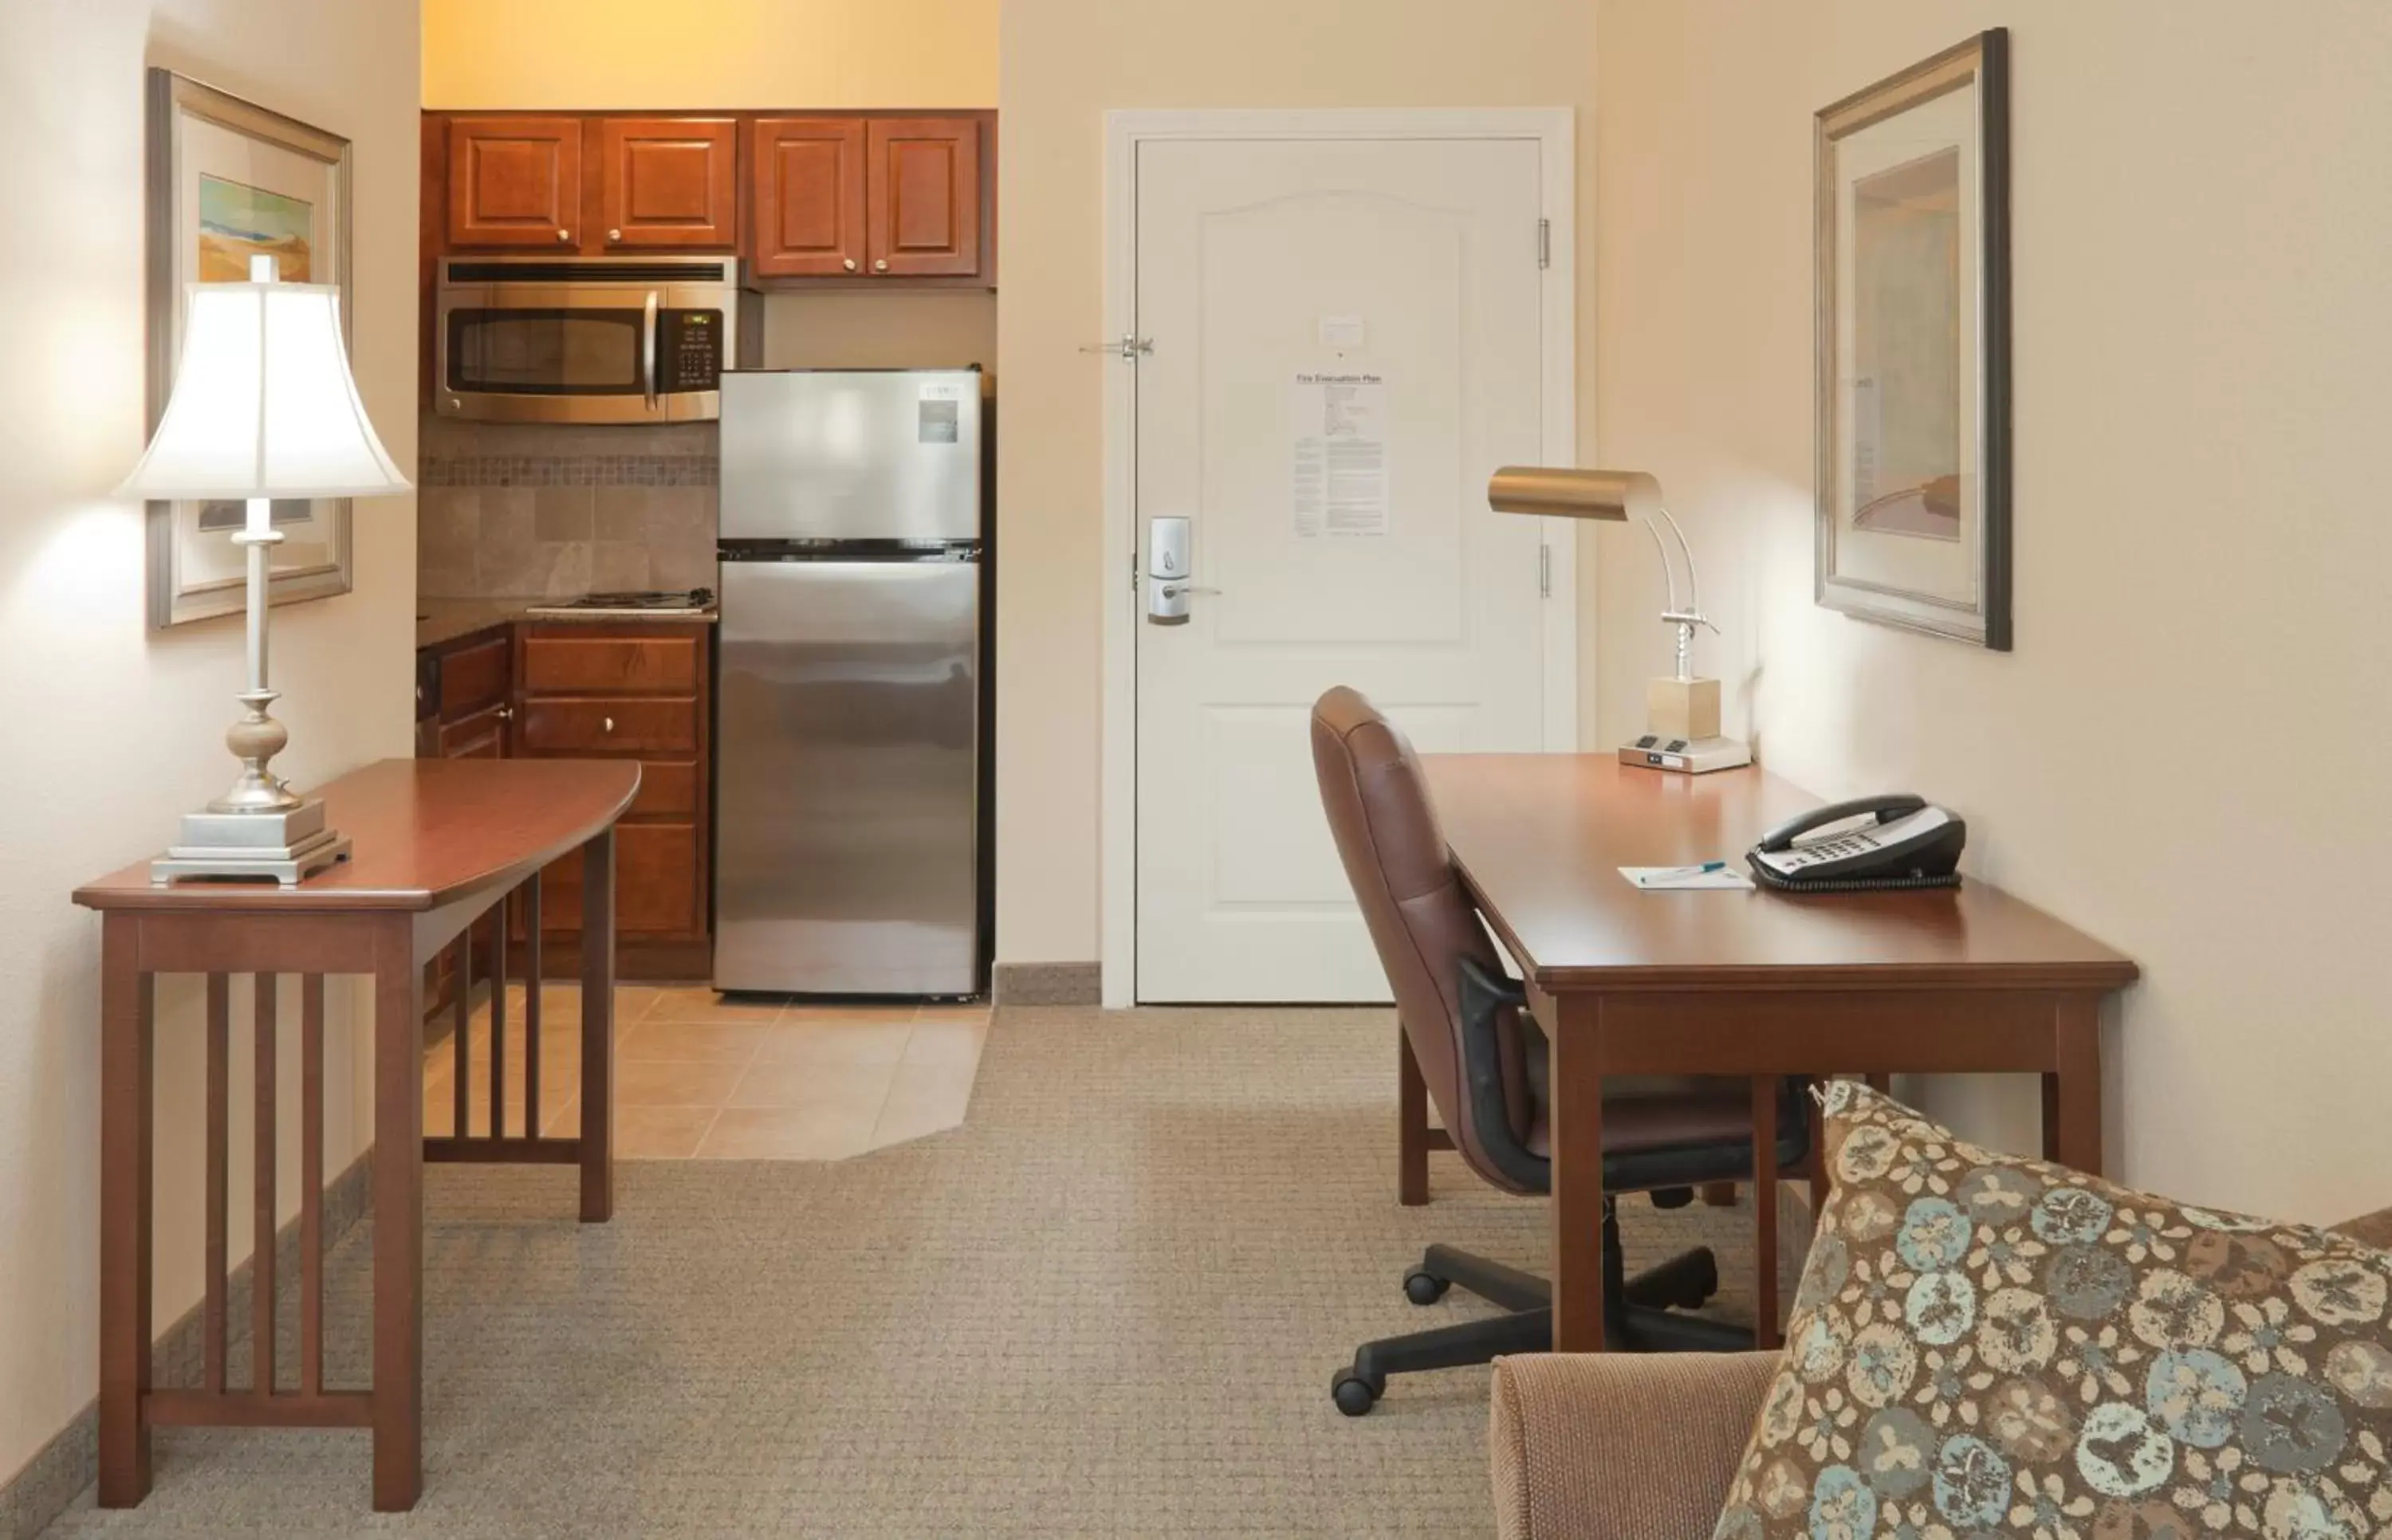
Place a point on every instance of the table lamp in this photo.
(263, 408)
(1681, 712)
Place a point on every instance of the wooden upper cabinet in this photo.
(923, 189)
(514, 182)
(666, 182)
(806, 196)
(809, 195)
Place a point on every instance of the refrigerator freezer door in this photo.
(845, 859)
(837, 455)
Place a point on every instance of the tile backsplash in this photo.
(509, 510)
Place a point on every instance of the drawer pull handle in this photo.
(610, 724)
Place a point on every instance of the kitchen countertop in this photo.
(439, 621)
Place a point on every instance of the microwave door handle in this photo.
(648, 349)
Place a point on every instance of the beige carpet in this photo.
(1109, 1305)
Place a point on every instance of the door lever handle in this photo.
(1173, 590)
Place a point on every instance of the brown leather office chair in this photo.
(1484, 1060)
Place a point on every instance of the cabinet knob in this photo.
(614, 235)
(610, 724)
(882, 265)
(506, 714)
(850, 265)
(564, 236)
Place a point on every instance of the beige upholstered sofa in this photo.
(1623, 1446)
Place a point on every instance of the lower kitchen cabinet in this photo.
(636, 690)
(592, 690)
(464, 702)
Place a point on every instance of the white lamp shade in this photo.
(264, 404)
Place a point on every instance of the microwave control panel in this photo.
(690, 346)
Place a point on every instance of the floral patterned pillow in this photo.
(1987, 1345)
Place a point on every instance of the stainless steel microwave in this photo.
(585, 339)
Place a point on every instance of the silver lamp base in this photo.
(286, 847)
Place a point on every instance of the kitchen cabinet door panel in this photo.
(809, 197)
(514, 182)
(923, 186)
(668, 183)
(656, 882)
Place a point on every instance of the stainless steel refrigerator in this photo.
(850, 749)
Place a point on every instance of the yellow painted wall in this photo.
(600, 54)
(1066, 63)
(2185, 755)
(136, 718)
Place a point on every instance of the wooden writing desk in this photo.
(438, 843)
(1760, 984)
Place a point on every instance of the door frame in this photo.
(1554, 131)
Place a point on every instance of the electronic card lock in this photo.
(1168, 582)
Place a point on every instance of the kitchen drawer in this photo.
(474, 678)
(655, 884)
(607, 727)
(480, 736)
(558, 663)
(666, 790)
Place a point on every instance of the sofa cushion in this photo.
(1987, 1344)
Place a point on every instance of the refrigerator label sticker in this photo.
(1337, 437)
(941, 422)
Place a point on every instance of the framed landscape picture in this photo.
(228, 179)
(1914, 357)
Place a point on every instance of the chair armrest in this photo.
(2373, 1229)
(1619, 1446)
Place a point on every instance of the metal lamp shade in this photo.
(1567, 494)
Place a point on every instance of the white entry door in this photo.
(1348, 335)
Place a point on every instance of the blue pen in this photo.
(1705, 869)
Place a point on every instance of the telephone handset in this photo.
(1910, 843)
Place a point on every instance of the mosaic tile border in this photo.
(568, 471)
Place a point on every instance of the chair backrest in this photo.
(1373, 788)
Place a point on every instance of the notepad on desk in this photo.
(1698, 877)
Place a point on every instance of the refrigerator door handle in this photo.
(648, 348)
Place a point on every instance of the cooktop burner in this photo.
(643, 601)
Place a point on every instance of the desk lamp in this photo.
(1681, 712)
(264, 406)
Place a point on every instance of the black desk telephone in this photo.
(1912, 843)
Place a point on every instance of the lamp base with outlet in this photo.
(1687, 755)
(1681, 729)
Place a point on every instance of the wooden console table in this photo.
(438, 843)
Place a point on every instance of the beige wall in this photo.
(710, 52)
(1066, 63)
(2185, 755)
(130, 723)
(851, 329)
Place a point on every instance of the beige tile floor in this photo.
(699, 1076)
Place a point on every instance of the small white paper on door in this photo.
(1337, 429)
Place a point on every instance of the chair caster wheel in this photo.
(1353, 1395)
(1425, 1288)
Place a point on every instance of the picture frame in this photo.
(1913, 344)
(227, 178)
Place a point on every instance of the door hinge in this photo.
(1544, 243)
(1545, 572)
